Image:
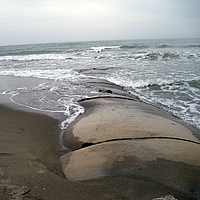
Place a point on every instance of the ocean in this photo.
(49, 77)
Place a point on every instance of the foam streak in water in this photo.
(72, 112)
(163, 72)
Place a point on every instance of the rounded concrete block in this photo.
(109, 119)
(173, 163)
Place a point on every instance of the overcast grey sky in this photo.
(42, 21)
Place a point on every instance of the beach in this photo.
(30, 164)
(100, 120)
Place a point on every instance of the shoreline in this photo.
(30, 166)
(33, 128)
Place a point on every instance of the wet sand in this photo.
(30, 164)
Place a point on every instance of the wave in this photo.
(167, 55)
(179, 97)
(194, 83)
(154, 87)
(132, 47)
(18, 53)
(192, 45)
(160, 46)
(165, 46)
(159, 83)
(102, 48)
(82, 70)
(36, 57)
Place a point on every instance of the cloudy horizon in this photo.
(49, 21)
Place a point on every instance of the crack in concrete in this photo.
(100, 122)
(142, 138)
(117, 97)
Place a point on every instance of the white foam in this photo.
(166, 197)
(33, 57)
(101, 48)
(73, 110)
(43, 73)
(169, 69)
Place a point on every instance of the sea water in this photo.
(164, 72)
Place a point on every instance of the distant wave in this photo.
(132, 47)
(160, 46)
(194, 83)
(165, 46)
(163, 83)
(35, 57)
(102, 48)
(192, 45)
(167, 55)
(17, 53)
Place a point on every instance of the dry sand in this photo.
(30, 166)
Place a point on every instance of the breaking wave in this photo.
(165, 73)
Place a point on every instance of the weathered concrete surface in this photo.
(112, 118)
(173, 163)
(127, 138)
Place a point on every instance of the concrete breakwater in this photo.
(125, 137)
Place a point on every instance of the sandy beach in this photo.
(30, 165)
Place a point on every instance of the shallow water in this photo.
(165, 73)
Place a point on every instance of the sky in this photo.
(48, 21)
